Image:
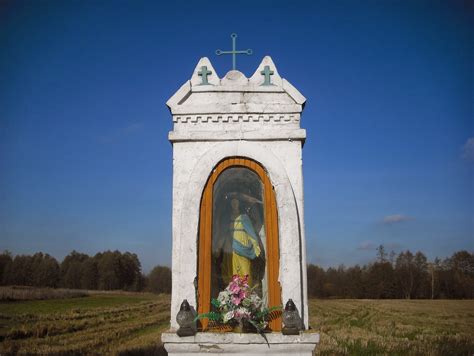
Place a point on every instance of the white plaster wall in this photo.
(294, 164)
(192, 165)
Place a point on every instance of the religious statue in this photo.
(239, 248)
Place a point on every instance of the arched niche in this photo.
(226, 175)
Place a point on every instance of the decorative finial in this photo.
(234, 52)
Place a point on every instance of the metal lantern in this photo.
(185, 320)
(291, 319)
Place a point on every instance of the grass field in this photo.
(394, 327)
(17, 293)
(131, 324)
(121, 323)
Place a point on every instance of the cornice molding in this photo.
(229, 118)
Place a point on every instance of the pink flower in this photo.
(239, 288)
(236, 300)
(234, 288)
(245, 283)
(241, 313)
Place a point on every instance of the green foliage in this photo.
(215, 303)
(214, 316)
(406, 275)
(105, 271)
(90, 274)
(159, 280)
(45, 271)
(392, 276)
(5, 261)
(267, 313)
(71, 270)
(39, 270)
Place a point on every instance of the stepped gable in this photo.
(206, 93)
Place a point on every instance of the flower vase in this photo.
(239, 328)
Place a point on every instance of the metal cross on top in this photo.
(234, 52)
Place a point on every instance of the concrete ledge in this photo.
(256, 135)
(218, 107)
(240, 344)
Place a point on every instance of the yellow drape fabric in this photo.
(234, 263)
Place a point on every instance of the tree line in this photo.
(395, 276)
(405, 275)
(109, 270)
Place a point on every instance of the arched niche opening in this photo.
(238, 233)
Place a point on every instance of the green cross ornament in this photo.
(267, 73)
(204, 73)
(234, 52)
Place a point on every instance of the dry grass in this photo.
(131, 324)
(17, 293)
(394, 327)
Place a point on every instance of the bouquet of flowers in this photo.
(237, 304)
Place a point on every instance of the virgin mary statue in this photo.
(240, 245)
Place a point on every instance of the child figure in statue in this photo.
(245, 245)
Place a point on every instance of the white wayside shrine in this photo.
(238, 208)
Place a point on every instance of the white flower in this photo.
(256, 301)
(223, 297)
(242, 313)
(228, 316)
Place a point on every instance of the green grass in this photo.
(131, 324)
(24, 293)
(65, 305)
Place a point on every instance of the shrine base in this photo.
(207, 343)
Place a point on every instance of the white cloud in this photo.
(468, 150)
(395, 219)
(366, 246)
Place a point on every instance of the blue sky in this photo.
(84, 159)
